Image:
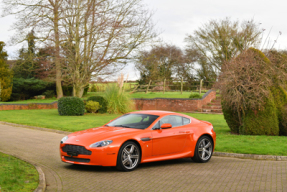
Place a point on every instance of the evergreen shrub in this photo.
(92, 106)
(71, 106)
(102, 101)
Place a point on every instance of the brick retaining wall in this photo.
(53, 105)
(174, 104)
(167, 104)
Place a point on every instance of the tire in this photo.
(129, 157)
(203, 150)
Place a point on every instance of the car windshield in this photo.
(136, 121)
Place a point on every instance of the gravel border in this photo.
(42, 180)
(219, 154)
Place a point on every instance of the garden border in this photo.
(215, 153)
(42, 180)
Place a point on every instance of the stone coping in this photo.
(42, 180)
(251, 156)
(219, 154)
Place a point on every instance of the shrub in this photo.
(231, 117)
(92, 106)
(102, 101)
(118, 100)
(49, 93)
(71, 106)
(195, 96)
(27, 88)
(253, 94)
(93, 88)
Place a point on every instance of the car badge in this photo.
(77, 140)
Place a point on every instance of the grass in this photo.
(151, 95)
(226, 142)
(17, 175)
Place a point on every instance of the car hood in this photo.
(89, 136)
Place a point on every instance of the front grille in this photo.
(76, 149)
(77, 159)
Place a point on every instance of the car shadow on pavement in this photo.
(156, 164)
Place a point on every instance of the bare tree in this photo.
(219, 41)
(43, 16)
(163, 62)
(101, 34)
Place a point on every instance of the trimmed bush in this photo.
(261, 122)
(92, 106)
(102, 101)
(195, 96)
(231, 118)
(71, 106)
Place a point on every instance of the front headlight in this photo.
(64, 139)
(101, 143)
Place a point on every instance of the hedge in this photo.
(71, 106)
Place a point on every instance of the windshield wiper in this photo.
(122, 126)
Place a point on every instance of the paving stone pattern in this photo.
(220, 174)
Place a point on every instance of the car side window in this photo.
(174, 120)
(157, 125)
(185, 121)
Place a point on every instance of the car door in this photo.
(168, 141)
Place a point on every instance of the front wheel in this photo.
(203, 150)
(128, 156)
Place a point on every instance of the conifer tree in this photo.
(6, 75)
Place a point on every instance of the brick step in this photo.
(215, 102)
(211, 107)
(212, 110)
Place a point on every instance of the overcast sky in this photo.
(177, 18)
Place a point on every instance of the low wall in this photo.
(166, 104)
(53, 105)
(174, 104)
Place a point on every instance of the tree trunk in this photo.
(59, 89)
(78, 91)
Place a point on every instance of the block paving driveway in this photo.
(220, 174)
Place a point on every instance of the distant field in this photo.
(153, 94)
(101, 87)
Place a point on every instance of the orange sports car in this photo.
(140, 137)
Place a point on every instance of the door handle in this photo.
(146, 139)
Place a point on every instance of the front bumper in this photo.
(102, 156)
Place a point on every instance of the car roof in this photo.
(156, 112)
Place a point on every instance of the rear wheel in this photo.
(203, 150)
(128, 156)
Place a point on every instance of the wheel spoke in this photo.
(203, 154)
(206, 146)
(134, 156)
(132, 149)
(125, 161)
(200, 149)
(208, 152)
(126, 151)
(203, 142)
(131, 162)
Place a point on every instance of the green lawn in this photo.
(17, 175)
(226, 142)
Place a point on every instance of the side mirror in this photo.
(166, 126)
